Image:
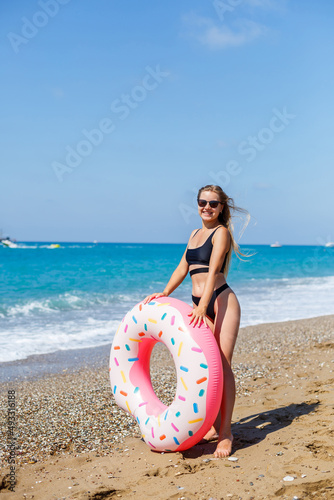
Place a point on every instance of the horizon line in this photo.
(95, 242)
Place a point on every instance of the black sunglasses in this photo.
(212, 203)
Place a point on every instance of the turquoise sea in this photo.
(75, 296)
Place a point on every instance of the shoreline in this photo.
(52, 363)
(71, 360)
(73, 442)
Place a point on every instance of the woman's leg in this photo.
(226, 330)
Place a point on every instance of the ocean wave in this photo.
(286, 299)
(53, 337)
(65, 302)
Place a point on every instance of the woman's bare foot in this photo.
(211, 435)
(224, 447)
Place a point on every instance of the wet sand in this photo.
(75, 443)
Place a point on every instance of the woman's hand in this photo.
(154, 296)
(198, 314)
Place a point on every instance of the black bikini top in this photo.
(201, 255)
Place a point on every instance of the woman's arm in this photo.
(221, 245)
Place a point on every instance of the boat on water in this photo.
(329, 244)
(276, 245)
(54, 245)
(6, 242)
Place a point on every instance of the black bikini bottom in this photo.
(210, 310)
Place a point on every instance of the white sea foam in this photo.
(286, 299)
(28, 308)
(49, 247)
(53, 337)
(22, 245)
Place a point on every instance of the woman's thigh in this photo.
(227, 321)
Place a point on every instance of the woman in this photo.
(207, 257)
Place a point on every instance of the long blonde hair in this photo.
(225, 218)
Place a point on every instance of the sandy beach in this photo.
(73, 442)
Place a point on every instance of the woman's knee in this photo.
(226, 337)
(226, 358)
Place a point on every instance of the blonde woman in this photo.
(207, 258)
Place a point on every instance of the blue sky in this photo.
(115, 113)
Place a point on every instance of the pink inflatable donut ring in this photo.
(198, 366)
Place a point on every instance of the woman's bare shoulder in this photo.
(192, 234)
(221, 234)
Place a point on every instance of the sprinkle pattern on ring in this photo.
(171, 426)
